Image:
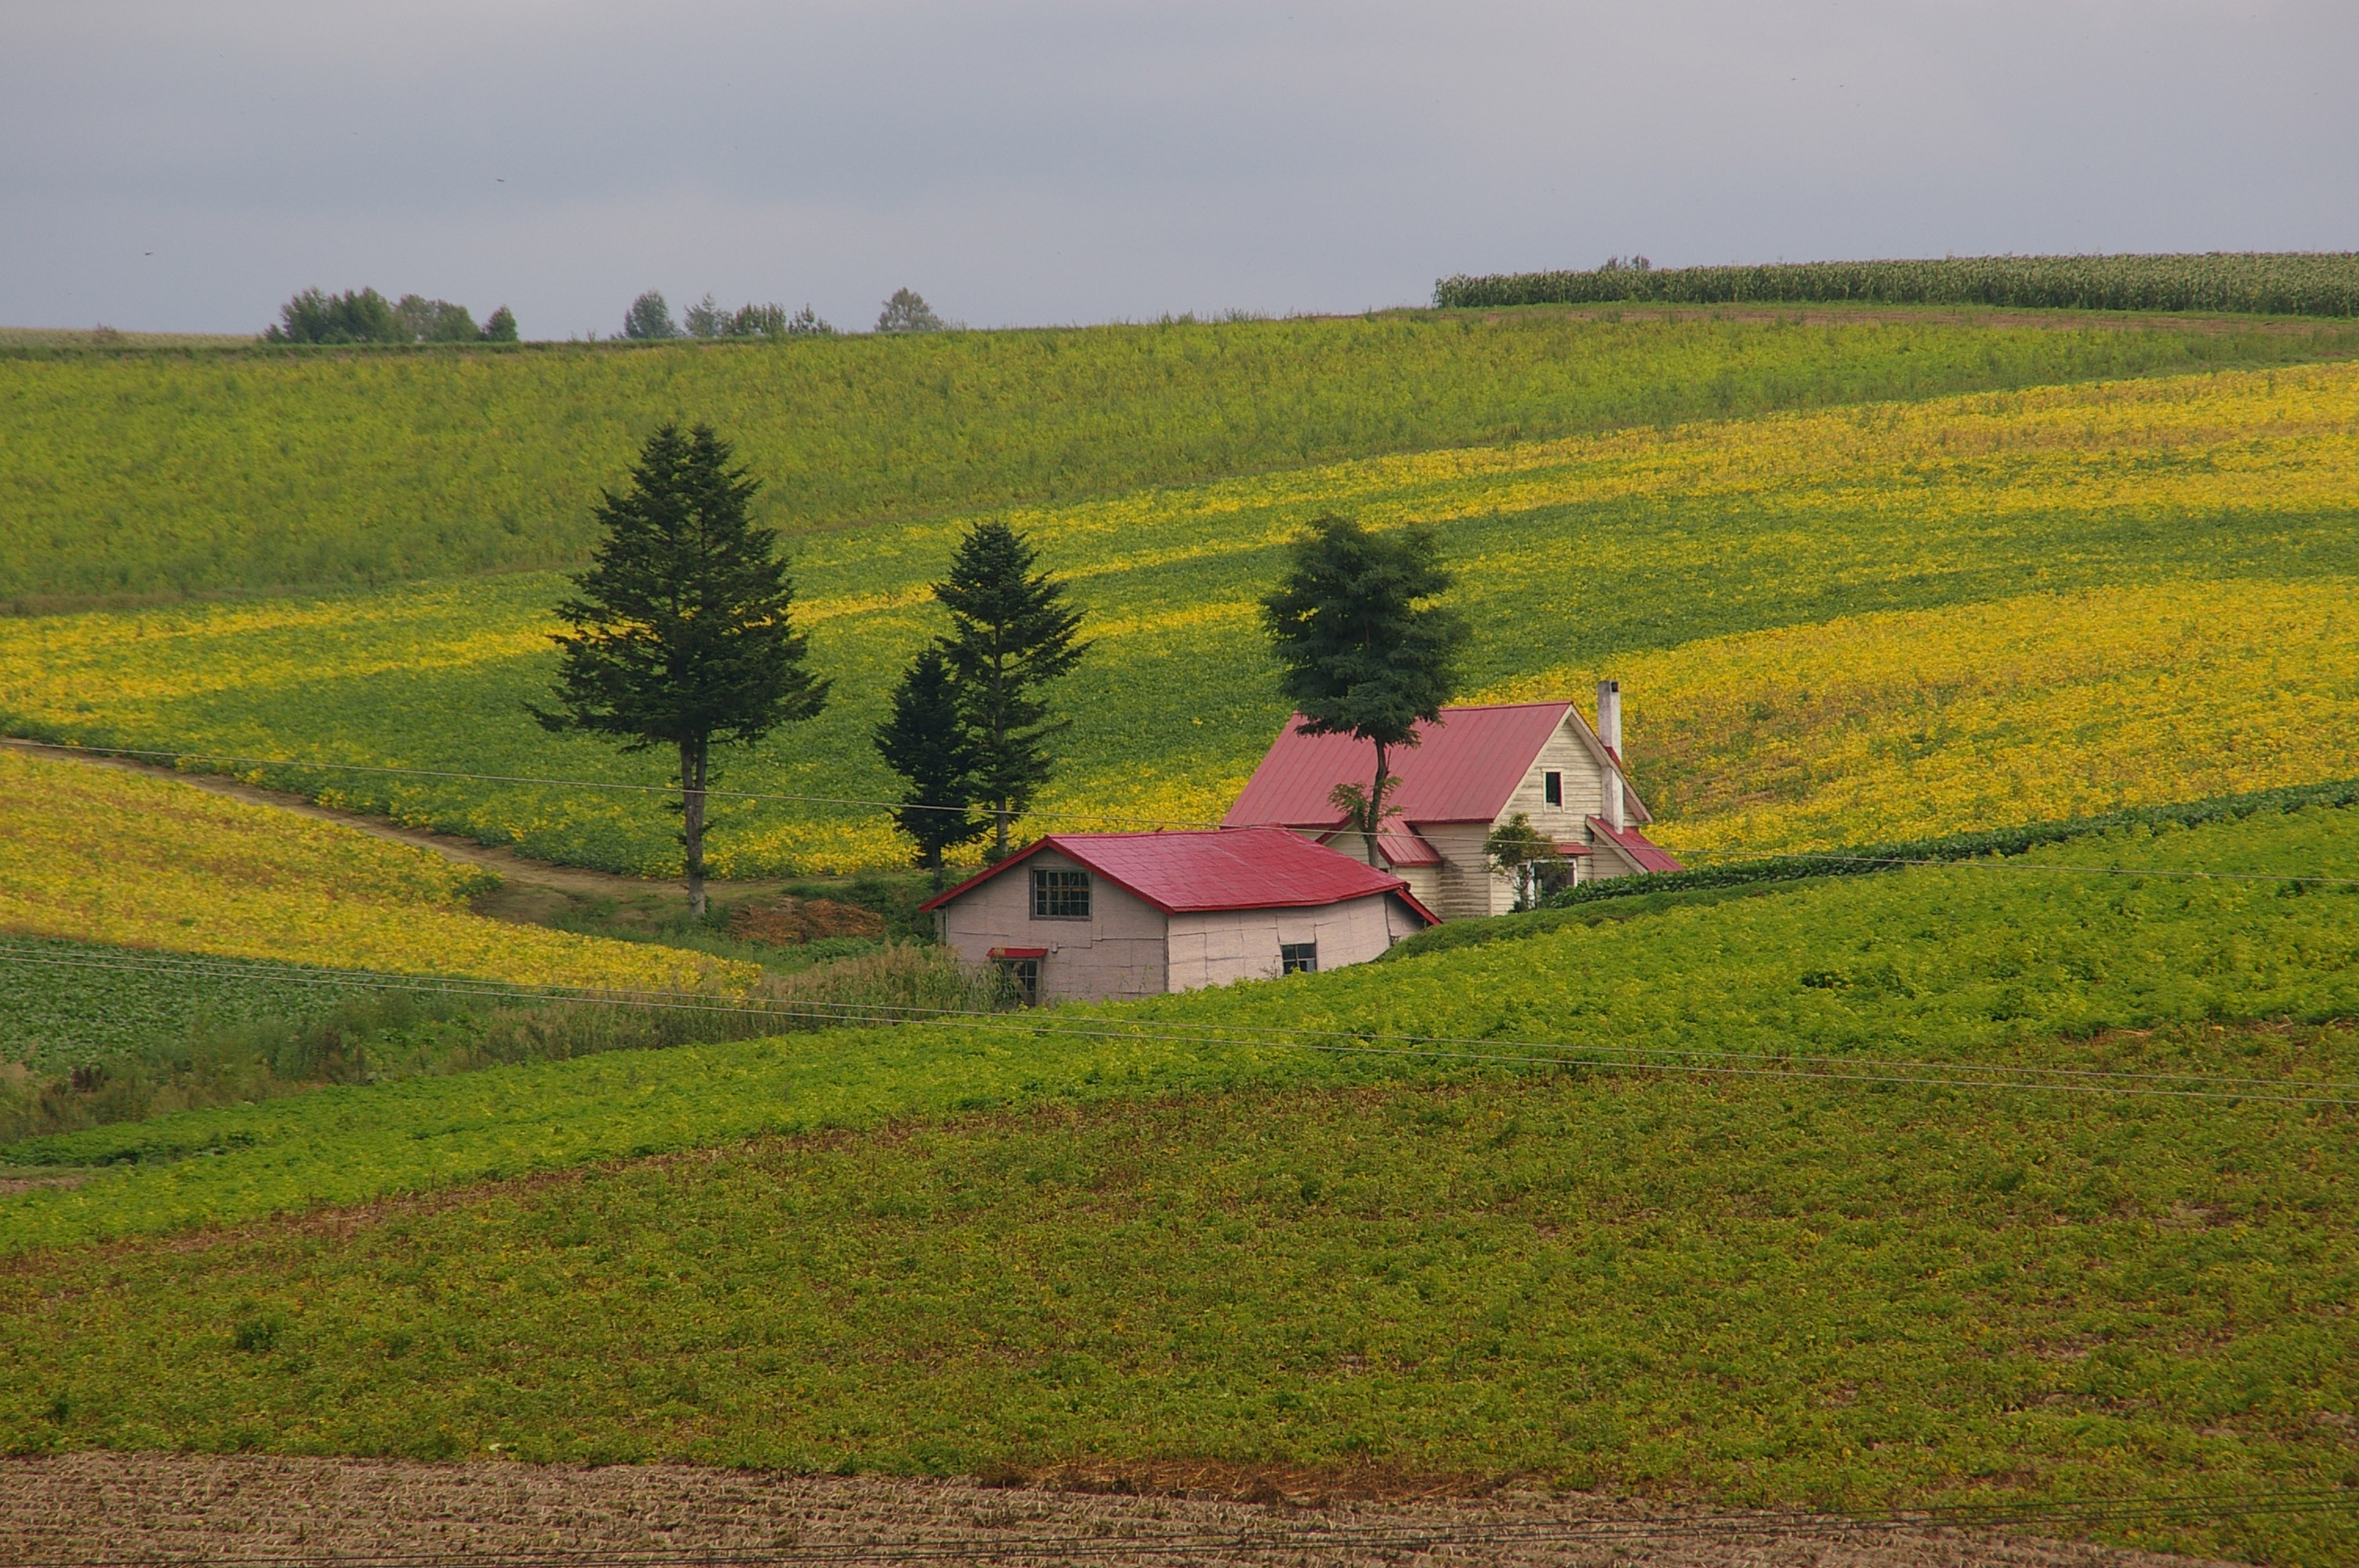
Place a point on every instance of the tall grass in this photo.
(2273, 284)
(386, 1036)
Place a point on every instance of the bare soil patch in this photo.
(791, 922)
(116, 1508)
(22, 1181)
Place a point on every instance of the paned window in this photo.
(1023, 979)
(1297, 957)
(1060, 895)
(1552, 786)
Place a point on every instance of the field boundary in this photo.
(1739, 878)
(2285, 283)
(507, 863)
(255, 1508)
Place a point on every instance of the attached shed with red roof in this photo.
(1471, 771)
(1084, 916)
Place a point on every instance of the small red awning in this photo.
(1019, 952)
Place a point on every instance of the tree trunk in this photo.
(692, 755)
(1377, 808)
(999, 840)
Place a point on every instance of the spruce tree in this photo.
(1011, 633)
(682, 635)
(1363, 652)
(924, 739)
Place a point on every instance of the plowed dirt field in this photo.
(89, 1508)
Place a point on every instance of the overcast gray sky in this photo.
(187, 164)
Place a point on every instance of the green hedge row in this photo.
(2283, 283)
(1958, 846)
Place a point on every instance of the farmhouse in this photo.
(1080, 916)
(1467, 774)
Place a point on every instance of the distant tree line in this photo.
(2320, 282)
(649, 320)
(365, 316)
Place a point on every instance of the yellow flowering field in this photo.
(2273, 440)
(2042, 706)
(1610, 551)
(100, 854)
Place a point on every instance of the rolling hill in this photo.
(2019, 1178)
(1951, 1183)
(1889, 621)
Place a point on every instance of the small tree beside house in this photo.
(1523, 856)
(683, 634)
(1364, 651)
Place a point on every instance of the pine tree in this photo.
(683, 634)
(1011, 633)
(1363, 652)
(924, 739)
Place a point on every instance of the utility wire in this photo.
(51, 746)
(1212, 1032)
(1146, 1028)
(1609, 1056)
(1993, 862)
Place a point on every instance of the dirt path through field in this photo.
(148, 1508)
(531, 888)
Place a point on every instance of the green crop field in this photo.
(2016, 1177)
(1579, 558)
(1964, 1224)
(1993, 962)
(71, 1002)
(2291, 283)
(140, 475)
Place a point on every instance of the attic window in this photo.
(1552, 786)
(1060, 895)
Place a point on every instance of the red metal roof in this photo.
(1636, 845)
(1462, 770)
(1398, 846)
(1251, 868)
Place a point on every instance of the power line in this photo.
(1210, 1032)
(1995, 860)
(1594, 1057)
(1200, 1032)
(51, 746)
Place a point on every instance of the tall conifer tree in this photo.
(924, 739)
(1011, 633)
(683, 631)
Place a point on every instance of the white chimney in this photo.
(1609, 729)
